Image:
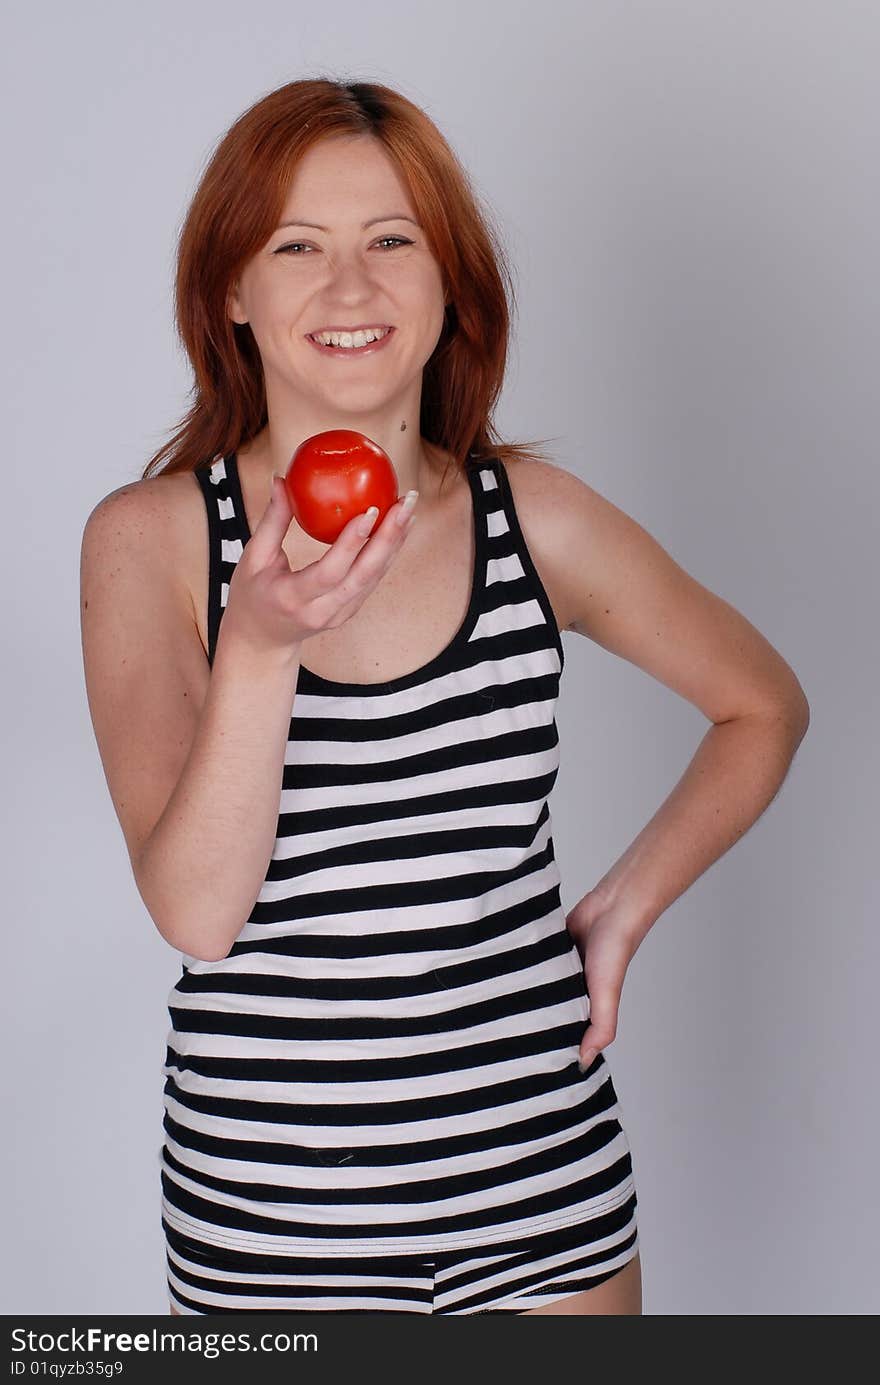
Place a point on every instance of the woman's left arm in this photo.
(616, 585)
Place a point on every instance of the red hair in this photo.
(237, 205)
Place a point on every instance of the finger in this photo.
(274, 521)
(321, 581)
(604, 1005)
(340, 580)
(388, 535)
(373, 558)
(595, 1038)
(351, 563)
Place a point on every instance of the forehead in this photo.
(344, 176)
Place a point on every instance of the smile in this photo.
(367, 349)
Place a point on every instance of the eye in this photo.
(298, 244)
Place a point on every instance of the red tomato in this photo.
(336, 475)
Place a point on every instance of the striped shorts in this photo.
(528, 1272)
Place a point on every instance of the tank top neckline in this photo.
(310, 681)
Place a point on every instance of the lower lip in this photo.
(369, 350)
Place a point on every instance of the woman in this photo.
(385, 1085)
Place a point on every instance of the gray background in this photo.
(688, 193)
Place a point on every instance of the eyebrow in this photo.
(395, 216)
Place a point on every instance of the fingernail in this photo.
(406, 508)
(368, 520)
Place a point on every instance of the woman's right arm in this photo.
(201, 868)
(194, 754)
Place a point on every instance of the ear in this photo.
(233, 306)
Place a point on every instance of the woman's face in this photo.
(307, 279)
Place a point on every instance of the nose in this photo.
(350, 292)
(349, 272)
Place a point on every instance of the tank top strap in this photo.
(227, 534)
(512, 577)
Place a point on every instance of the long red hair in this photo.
(237, 205)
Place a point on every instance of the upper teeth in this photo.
(359, 338)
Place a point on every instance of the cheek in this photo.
(424, 303)
(285, 318)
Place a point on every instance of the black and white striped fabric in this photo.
(386, 1060)
(514, 1277)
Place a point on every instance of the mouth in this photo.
(368, 349)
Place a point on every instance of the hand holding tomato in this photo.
(272, 609)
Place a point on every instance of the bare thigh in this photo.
(621, 1294)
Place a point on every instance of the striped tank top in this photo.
(386, 1059)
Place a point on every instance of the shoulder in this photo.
(157, 520)
(158, 499)
(551, 492)
(535, 478)
(568, 526)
